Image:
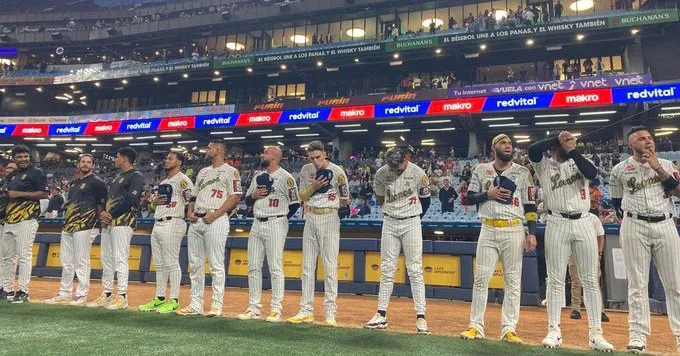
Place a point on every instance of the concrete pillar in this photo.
(632, 58)
(473, 149)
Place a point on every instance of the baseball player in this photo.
(275, 199)
(403, 191)
(576, 288)
(25, 187)
(118, 223)
(564, 179)
(505, 194)
(86, 198)
(642, 188)
(324, 188)
(216, 192)
(4, 294)
(166, 237)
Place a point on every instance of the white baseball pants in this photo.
(166, 240)
(115, 250)
(266, 238)
(207, 239)
(321, 235)
(74, 253)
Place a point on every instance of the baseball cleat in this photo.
(102, 302)
(10, 296)
(3, 294)
(575, 314)
(214, 312)
(421, 326)
(188, 311)
(249, 315)
(59, 299)
(78, 301)
(330, 322)
(512, 338)
(471, 334)
(377, 322)
(170, 306)
(151, 306)
(20, 297)
(636, 347)
(118, 303)
(274, 317)
(302, 317)
(598, 343)
(553, 340)
(604, 318)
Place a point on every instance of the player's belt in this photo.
(501, 223)
(404, 218)
(572, 216)
(322, 211)
(168, 218)
(650, 218)
(269, 218)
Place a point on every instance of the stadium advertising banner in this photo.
(414, 43)
(340, 113)
(644, 18)
(150, 114)
(319, 53)
(179, 67)
(234, 62)
(553, 85)
(9, 52)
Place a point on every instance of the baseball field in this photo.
(34, 328)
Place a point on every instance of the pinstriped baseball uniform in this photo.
(5, 279)
(402, 228)
(268, 236)
(115, 241)
(85, 197)
(504, 242)
(576, 289)
(213, 188)
(642, 192)
(166, 236)
(321, 235)
(21, 224)
(566, 191)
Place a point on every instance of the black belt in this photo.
(269, 218)
(201, 215)
(167, 218)
(395, 218)
(648, 218)
(572, 216)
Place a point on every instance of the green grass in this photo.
(35, 329)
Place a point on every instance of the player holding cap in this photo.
(168, 231)
(118, 223)
(564, 179)
(504, 192)
(403, 191)
(274, 196)
(216, 192)
(86, 198)
(324, 188)
(25, 187)
(642, 190)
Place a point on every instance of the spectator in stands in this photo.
(522, 74)
(466, 175)
(364, 208)
(447, 196)
(315, 39)
(433, 28)
(452, 23)
(366, 191)
(595, 196)
(511, 75)
(588, 67)
(599, 67)
(558, 9)
(54, 207)
(545, 14)
(463, 191)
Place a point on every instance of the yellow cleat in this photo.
(188, 311)
(512, 338)
(331, 323)
(471, 334)
(301, 317)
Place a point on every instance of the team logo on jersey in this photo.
(237, 175)
(291, 182)
(487, 185)
(24, 177)
(183, 184)
(121, 181)
(559, 183)
(636, 187)
(341, 179)
(629, 168)
(424, 180)
(82, 186)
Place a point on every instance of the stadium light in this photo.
(234, 138)
(319, 63)
(2, 90)
(664, 133)
(222, 132)
(97, 84)
(438, 51)
(597, 113)
(498, 118)
(355, 32)
(523, 140)
(355, 130)
(436, 121)
(395, 56)
(156, 79)
(146, 137)
(61, 98)
(46, 144)
(139, 144)
(188, 141)
(482, 46)
(34, 138)
(356, 60)
(299, 39)
(60, 139)
(280, 143)
(530, 42)
(347, 125)
(505, 125)
(437, 22)
(217, 72)
(271, 136)
(427, 140)
(634, 31)
(171, 135)
(441, 129)
(72, 86)
(662, 109)
(580, 37)
(124, 81)
(185, 75)
(397, 130)
(283, 67)
(521, 136)
(101, 145)
(550, 115)
(296, 128)
(39, 89)
(667, 129)
(163, 143)
(551, 123)
(259, 131)
(123, 138)
(402, 138)
(388, 142)
(307, 135)
(427, 144)
(380, 123)
(86, 139)
(590, 121)
(250, 70)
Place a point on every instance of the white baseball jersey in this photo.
(214, 186)
(339, 187)
(284, 192)
(641, 188)
(565, 189)
(402, 191)
(181, 190)
(483, 179)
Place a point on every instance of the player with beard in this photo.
(168, 231)
(505, 194)
(275, 199)
(564, 179)
(86, 198)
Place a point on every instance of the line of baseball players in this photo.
(642, 187)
